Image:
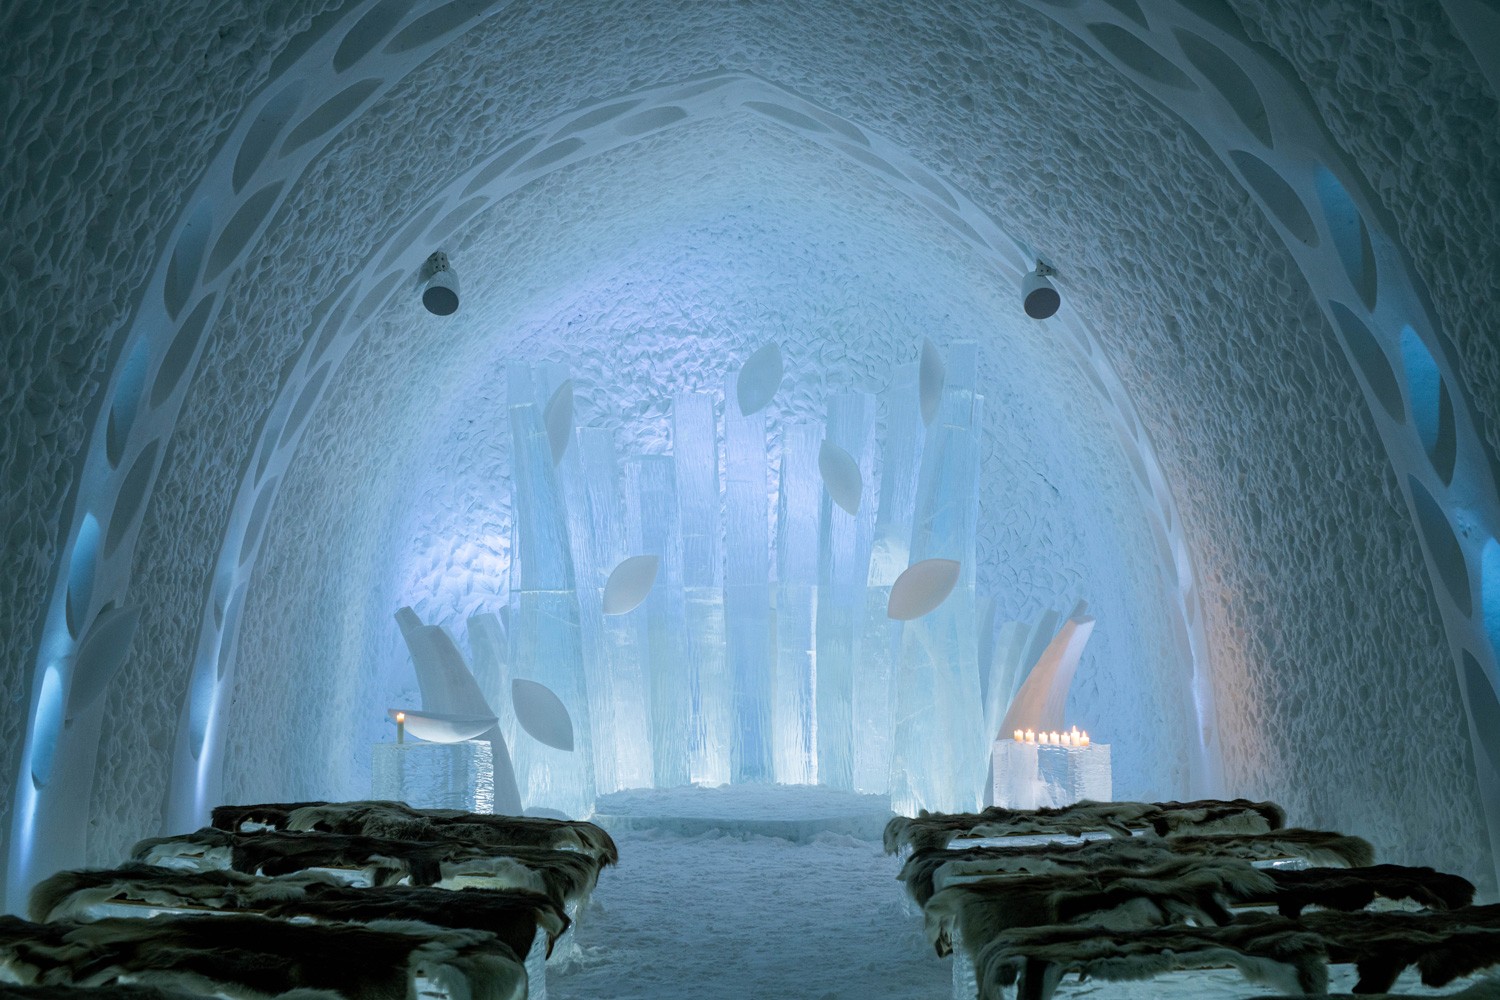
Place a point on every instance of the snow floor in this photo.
(722, 913)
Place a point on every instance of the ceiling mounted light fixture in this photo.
(1038, 296)
(439, 285)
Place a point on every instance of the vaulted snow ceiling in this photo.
(1260, 439)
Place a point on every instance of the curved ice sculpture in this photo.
(840, 476)
(447, 686)
(1040, 702)
(438, 727)
(759, 378)
(100, 655)
(629, 583)
(558, 418)
(921, 587)
(930, 378)
(542, 714)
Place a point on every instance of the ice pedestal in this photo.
(1037, 776)
(435, 775)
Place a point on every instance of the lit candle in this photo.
(1085, 738)
(1067, 740)
(1020, 736)
(1030, 736)
(400, 727)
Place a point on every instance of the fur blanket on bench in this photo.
(926, 871)
(399, 821)
(256, 958)
(511, 915)
(1180, 890)
(1351, 889)
(1275, 953)
(1290, 955)
(129, 991)
(566, 876)
(929, 831)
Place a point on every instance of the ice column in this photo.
(621, 693)
(843, 575)
(890, 552)
(546, 635)
(747, 604)
(651, 490)
(940, 753)
(582, 492)
(695, 444)
(796, 604)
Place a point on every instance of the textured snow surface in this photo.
(647, 268)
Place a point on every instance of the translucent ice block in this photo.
(796, 604)
(695, 445)
(880, 641)
(651, 493)
(843, 574)
(747, 603)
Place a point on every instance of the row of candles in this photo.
(1073, 738)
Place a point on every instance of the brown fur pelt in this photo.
(253, 957)
(1179, 890)
(567, 876)
(1121, 819)
(1442, 944)
(1356, 888)
(926, 870)
(399, 821)
(1484, 989)
(1276, 952)
(129, 991)
(513, 915)
(270, 815)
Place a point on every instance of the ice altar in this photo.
(776, 600)
(1056, 770)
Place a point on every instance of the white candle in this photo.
(400, 727)
(1019, 736)
(1030, 736)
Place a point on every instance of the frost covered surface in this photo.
(1327, 647)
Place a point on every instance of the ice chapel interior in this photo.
(641, 395)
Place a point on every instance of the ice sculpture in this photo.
(447, 686)
(921, 588)
(797, 518)
(940, 751)
(100, 655)
(843, 573)
(490, 645)
(695, 439)
(616, 688)
(841, 476)
(548, 641)
(542, 714)
(880, 641)
(440, 727)
(759, 379)
(932, 376)
(651, 496)
(1040, 702)
(559, 420)
(747, 598)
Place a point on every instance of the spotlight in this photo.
(440, 285)
(1038, 297)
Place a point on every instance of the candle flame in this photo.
(400, 716)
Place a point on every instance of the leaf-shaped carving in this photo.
(558, 416)
(542, 713)
(629, 583)
(100, 656)
(921, 588)
(840, 476)
(759, 378)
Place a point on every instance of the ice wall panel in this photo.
(747, 574)
(695, 444)
(796, 604)
(844, 541)
(654, 528)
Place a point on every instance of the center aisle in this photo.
(718, 916)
